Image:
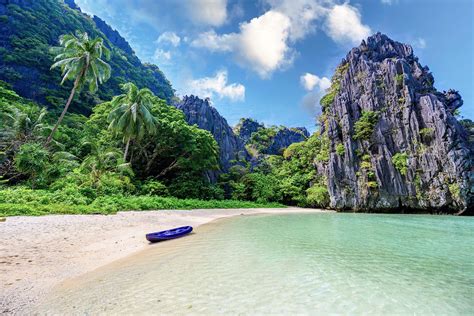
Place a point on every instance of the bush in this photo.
(400, 161)
(153, 187)
(399, 79)
(31, 160)
(317, 196)
(340, 150)
(364, 127)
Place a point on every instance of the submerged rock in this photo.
(395, 143)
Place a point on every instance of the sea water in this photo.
(290, 264)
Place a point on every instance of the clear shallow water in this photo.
(291, 264)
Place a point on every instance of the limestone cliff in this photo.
(205, 116)
(395, 143)
(268, 140)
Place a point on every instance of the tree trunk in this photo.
(69, 100)
(126, 150)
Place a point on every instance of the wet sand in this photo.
(38, 253)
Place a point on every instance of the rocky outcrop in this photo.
(285, 137)
(268, 140)
(205, 116)
(395, 144)
(113, 36)
(246, 127)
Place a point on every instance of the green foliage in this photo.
(262, 138)
(153, 187)
(399, 79)
(22, 201)
(31, 159)
(285, 178)
(26, 58)
(80, 60)
(400, 161)
(340, 150)
(455, 190)
(323, 152)
(328, 99)
(364, 127)
(317, 196)
(131, 115)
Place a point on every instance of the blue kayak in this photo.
(169, 234)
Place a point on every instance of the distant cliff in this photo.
(200, 112)
(268, 140)
(395, 142)
(28, 28)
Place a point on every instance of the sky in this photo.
(272, 60)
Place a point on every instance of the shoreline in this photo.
(40, 252)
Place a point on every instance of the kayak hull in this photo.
(169, 234)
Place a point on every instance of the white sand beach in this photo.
(37, 253)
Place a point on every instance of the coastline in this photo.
(39, 253)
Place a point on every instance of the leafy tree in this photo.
(80, 59)
(131, 116)
(103, 160)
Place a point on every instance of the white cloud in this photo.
(215, 42)
(264, 44)
(344, 24)
(162, 55)
(310, 81)
(210, 87)
(310, 102)
(419, 43)
(170, 38)
(261, 44)
(207, 12)
(317, 89)
(388, 2)
(302, 14)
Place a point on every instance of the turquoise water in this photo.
(291, 264)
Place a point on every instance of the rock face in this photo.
(403, 148)
(246, 127)
(201, 113)
(273, 140)
(285, 137)
(112, 35)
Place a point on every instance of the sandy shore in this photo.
(37, 253)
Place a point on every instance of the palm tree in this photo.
(131, 115)
(102, 160)
(80, 59)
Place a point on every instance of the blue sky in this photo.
(271, 59)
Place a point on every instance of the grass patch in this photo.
(22, 201)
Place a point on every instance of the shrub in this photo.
(154, 187)
(455, 190)
(340, 149)
(31, 160)
(364, 127)
(399, 79)
(317, 195)
(426, 134)
(400, 161)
